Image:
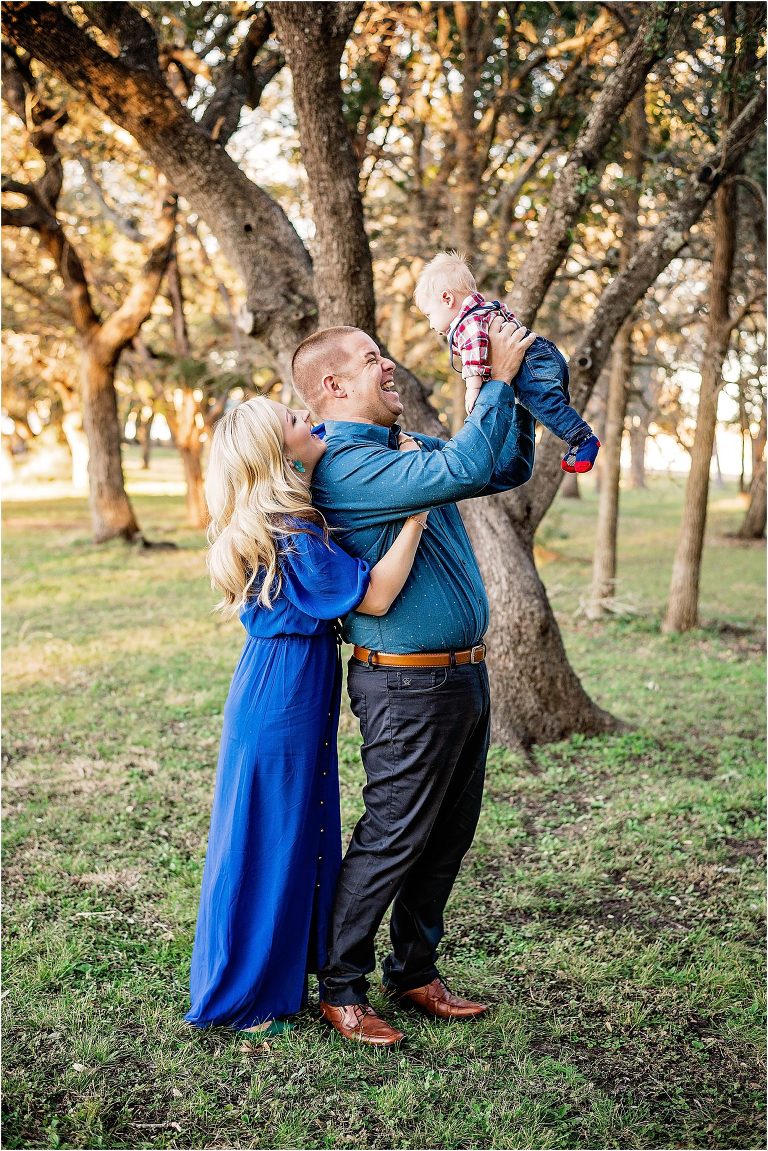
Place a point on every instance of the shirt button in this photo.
(322, 802)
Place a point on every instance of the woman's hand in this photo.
(407, 443)
(508, 347)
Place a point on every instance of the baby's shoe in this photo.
(581, 457)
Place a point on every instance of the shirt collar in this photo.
(350, 430)
(469, 302)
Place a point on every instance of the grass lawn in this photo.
(610, 909)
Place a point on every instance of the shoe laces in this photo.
(361, 1010)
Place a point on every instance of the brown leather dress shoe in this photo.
(360, 1022)
(435, 999)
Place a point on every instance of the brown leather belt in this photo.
(474, 654)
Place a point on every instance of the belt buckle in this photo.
(481, 649)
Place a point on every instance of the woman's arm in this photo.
(388, 576)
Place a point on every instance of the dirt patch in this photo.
(125, 879)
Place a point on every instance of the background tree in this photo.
(102, 340)
(407, 159)
(742, 27)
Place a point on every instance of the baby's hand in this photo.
(473, 391)
(407, 443)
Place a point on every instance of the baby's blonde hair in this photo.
(447, 272)
(251, 491)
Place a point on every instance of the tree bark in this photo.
(604, 559)
(254, 232)
(102, 340)
(313, 38)
(77, 442)
(538, 697)
(753, 527)
(569, 488)
(638, 434)
(184, 417)
(683, 606)
(604, 563)
(469, 19)
(111, 510)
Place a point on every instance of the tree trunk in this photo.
(313, 37)
(77, 442)
(753, 527)
(146, 441)
(604, 559)
(638, 434)
(538, 697)
(569, 488)
(469, 22)
(683, 607)
(191, 458)
(111, 512)
(604, 563)
(187, 418)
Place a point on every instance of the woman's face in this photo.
(300, 444)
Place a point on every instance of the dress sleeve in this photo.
(321, 580)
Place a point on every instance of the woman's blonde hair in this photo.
(254, 496)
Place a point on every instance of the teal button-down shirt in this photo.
(366, 488)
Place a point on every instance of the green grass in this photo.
(610, 909)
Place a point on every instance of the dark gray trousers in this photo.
(425, 742)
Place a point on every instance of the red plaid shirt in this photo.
(468, 335)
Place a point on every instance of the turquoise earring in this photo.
(299, 467)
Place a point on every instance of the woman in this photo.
(274, 847)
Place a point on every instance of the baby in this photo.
(447, 294)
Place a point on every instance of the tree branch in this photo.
(123, 324)
(548, 250)
(125, 227)
(529, 505)
(134, 35)
(254, 227)
(241, 82)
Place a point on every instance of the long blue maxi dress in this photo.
(274, 847)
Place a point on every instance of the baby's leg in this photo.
(542, 386)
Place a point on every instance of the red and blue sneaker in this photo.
(581, 457)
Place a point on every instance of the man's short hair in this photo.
(447, 272)
(315, 357)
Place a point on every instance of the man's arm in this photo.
(514, 465)
(376, 484)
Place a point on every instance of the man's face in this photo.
(367, 378)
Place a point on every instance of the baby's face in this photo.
(442, 310)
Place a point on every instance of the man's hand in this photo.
(508, 347)
(407, 443)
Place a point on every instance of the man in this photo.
(417, 679)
